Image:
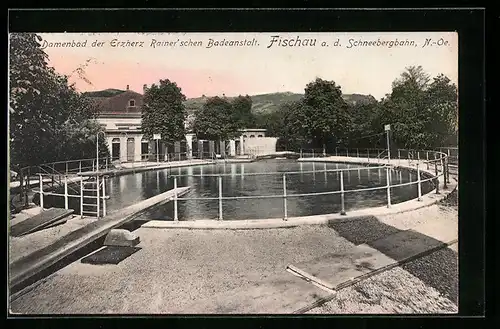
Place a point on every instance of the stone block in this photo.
(121, 238)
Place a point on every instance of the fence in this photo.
(433, 159)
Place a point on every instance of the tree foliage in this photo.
(48, 119)
(242, 107)
(164, 112)
(217, 120)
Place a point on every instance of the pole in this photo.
(285, 217)
(220, 197)
(98, 194)
(357, 152)
(66, 192)
(368, 154)
(81, 196)
(388, 149)
(97, 164)
(342, 210)
(157, 152)
(103, 197)
(445, 186)
(437, 177)
(419, 184)
(388, 188)
(176, 212)
(41, 192)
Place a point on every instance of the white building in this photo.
(120, 116)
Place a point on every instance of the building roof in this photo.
(119, 104)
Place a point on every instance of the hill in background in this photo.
(264, 103)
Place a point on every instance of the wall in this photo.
(260, 145)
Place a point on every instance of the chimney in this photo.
(127, 87)
(144, 88)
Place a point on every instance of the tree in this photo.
(164, 112)
(326, 116)
(216, 120)
(422, 115)
(242, 106)
(42, 107)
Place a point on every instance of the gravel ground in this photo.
(393, 291)
(175, 268)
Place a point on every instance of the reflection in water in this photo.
(129, 189)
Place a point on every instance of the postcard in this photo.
(233, 173)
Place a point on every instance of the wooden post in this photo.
(41, 192)
(388, 175)
(66, 192)
(80, 166)
(176, 213)
(342, 210)
(285, 217)
(220, 197)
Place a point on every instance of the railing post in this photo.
(27, 187)
(66, 192)
(357, 152)
(98, 195)
(41, 192)
(388, 187)
(300, 153)
(285, 208)
(342, 209)
(80, 166)
(66, 168)
(445, 185)
(176, 211)
(418, 155)
(336, 152)
(81, 196)
(447, 164)
(220, 197)
(103, 197)
(347, 152)
(437, 177)
(368, 154)
(313, 153)
(419, 184)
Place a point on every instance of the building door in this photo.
(130, 149)
(115, 149)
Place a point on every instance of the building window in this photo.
(131, 103)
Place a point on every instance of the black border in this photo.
(469, 23)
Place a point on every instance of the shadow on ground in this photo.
(438, 269)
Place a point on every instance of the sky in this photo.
(259, 66)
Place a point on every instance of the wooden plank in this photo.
(39, 221)
(32, 264)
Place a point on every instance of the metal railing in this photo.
(438, 161)
(100, 196)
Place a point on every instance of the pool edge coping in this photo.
(427, 199)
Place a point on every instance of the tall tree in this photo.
(216, 120)
(43, 108)
(164, 112)
(242, 106)
(327, 117)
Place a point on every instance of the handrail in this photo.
(440, 168)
